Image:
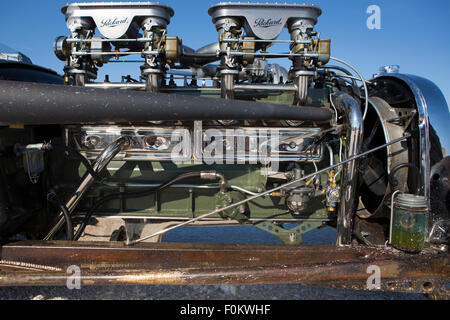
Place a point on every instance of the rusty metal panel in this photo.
(45, 263)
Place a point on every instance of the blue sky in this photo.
(414, 33)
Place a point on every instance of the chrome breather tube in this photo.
(100, 163)
(228, 78)
(269, 191)
(302, 81)
(352, 112)
(152, 82)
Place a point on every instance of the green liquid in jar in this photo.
(408, 232)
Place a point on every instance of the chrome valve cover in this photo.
(219, 145)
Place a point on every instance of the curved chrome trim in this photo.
(352, 111)
(433, 111)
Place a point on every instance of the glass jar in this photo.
(409, 223)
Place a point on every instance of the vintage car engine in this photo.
(219, 135)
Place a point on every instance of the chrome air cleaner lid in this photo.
(266, 20)
(113, 19)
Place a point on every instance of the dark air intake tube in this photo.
(35, 103)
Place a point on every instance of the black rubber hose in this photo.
(394, 170)
(36, 103)
(126, 195)
(69, 224)
(79, 156)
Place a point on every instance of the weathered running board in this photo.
(45, 263)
